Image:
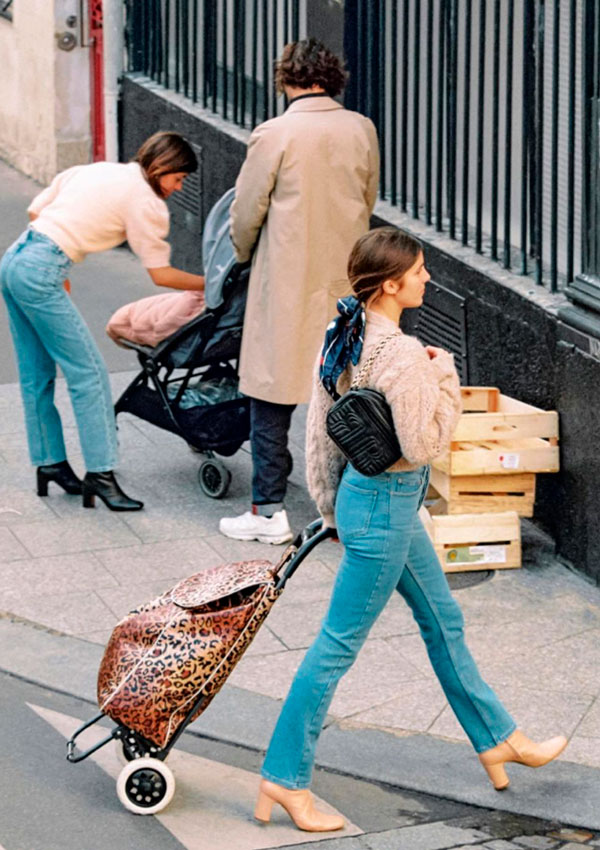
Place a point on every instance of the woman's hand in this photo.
(433, 352)
(177, 279)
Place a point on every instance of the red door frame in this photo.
(95, 41)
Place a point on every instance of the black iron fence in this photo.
(219, 53)
(487, 110)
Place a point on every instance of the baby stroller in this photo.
(188, 383)
(166, 660)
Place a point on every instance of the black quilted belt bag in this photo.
(360, 423)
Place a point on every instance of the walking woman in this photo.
(386, 546)
(85, 209)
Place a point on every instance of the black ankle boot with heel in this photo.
(61, 474)
(104, 485)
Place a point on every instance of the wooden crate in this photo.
(474, 494)
(475, 541)
(498, 435)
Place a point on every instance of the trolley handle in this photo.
(304, 543)
(71, 747)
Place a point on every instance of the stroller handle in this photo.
(304, 543)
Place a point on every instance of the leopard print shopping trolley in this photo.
(167, 659)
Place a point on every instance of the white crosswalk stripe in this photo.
(213, 803)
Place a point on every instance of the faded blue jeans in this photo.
(47, 329)
(386, 549)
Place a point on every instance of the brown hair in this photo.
(165, 153)
(308, 63)
(385, 253)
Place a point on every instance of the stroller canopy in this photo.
(217, 250)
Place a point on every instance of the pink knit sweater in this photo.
(424, 396)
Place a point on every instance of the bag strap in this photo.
(364, 370)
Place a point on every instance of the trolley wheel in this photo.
(145, 786)
(290, 463)
(214, 478)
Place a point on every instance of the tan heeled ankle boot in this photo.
(298, 804)
(520, 749)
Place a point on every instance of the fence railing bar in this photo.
(571, 141)
(439, 194)
(554, 148)
(508, 119)
(393, 104)
(243, 63)
(525, 130)
(235, 82)
(185, 45)
(416, 106)
(404, 107)
(539, 142)
(452, 79)
(382, 52)
(167, 43)
(480, 126)
(254, 101)
(429, 116)
(295, 20)
(276, 49)
(195, 51)
(495, 132)
(265, 58)
(466, 121)
(224, 60)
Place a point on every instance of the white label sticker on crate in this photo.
(494, 553)
(509, 461)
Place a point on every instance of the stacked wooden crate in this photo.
(486, 480)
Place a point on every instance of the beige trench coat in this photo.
(303, 197)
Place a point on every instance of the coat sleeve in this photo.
(425, 399)
(253, 189)
(373, 178)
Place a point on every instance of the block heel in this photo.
(264, 807)
(42, 483)
(498, 776)
(89, 500)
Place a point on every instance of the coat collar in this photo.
(313, 104)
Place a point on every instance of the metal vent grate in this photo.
(441, 321)
(190, 197)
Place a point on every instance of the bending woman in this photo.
(386, 546)
(85, 209)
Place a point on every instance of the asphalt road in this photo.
(50, 804)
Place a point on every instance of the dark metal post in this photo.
(584, 292)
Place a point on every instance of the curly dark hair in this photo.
(308, 63)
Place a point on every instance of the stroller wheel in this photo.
(145, 786)
(214, 478)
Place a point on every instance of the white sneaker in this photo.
(275, 529)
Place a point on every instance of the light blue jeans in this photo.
(47, 329)
(386, 549)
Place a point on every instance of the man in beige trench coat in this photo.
(303, 197)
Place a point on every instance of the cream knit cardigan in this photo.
(424, 396)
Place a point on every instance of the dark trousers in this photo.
(269, 426)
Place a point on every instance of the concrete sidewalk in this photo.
(535, 631)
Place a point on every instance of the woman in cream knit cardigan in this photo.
(386, 546)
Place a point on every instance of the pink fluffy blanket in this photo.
(152, 319)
